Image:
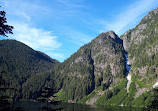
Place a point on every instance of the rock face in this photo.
(141, 44)
(126, 40)
(107, 50)
(97, 64)
(137, 35)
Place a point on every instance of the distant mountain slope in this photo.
(98, 64)
(19, 63)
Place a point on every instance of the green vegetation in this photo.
(114, 96)
(119, 96)
(143, 42)
(4, 28)
(89, 68)
(96, 66)
(46, 92)
(24, 69)
(143, 100)
(32, 87)
(88, 97)
(149, 99)
(61, 96)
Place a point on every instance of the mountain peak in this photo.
(112, 34)
(109, 34)
(154, 11)
(151, 14)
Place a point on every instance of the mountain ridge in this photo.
(18, 63)
(90, 63)
(96, 71)
(139, 91)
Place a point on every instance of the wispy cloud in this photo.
(72, 3)
(130, 15)
(38, 39)
(24, 8)
(25, 16)
(26, 31)
(75, 36)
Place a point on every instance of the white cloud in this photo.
(130, 15)
(37, 39)
(20, 15)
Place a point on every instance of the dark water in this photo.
(36, 106)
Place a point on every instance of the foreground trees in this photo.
(4, 28)
(47, 98)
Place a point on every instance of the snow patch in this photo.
(129, 77)
(155, 85)
(129, 82)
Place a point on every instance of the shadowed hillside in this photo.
(23, 68)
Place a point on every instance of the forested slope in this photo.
(19, 64)
(98, 64)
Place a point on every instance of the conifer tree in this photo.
(154, 101)
(46, 94)
(4, 28)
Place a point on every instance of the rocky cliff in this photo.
(96, 73)
(141, 45)
(99, 63)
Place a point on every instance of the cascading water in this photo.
(128, 67)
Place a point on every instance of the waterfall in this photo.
(128, 67)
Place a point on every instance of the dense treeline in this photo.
(23, 68)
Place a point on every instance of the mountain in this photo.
(109, 70)
(141, 45)
(23, 68)
(98, 64)
(114, 71)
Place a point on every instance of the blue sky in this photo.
(60, 27)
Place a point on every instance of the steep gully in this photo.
(128, 75)
(100, 93)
